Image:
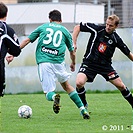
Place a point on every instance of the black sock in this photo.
(2, 89)
(81, 92)
(128, 96)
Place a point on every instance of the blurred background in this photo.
(25, 15)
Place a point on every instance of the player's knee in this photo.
(79, 84)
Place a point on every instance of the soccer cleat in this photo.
(85, 114)
(56, 105)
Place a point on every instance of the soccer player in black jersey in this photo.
(8, 44)
(98, 56)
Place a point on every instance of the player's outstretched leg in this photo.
(56, 105)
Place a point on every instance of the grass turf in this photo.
(110, 113)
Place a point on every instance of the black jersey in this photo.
(8, 41)
(101, 45)
(8, 44)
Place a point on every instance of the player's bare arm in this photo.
(24, 43)
(72, 56)
(76, 31)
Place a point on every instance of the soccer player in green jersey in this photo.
(53, 38)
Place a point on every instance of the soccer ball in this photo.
(25, 111)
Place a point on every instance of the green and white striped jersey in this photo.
(53, 39)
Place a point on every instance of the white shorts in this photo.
(49, 73)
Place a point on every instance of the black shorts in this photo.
(91, 70)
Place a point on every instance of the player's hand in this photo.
(9, 58)
(72, 66)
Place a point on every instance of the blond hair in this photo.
(115, 18)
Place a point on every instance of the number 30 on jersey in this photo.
(52, 37)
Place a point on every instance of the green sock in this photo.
(76, 99)
(50, 96)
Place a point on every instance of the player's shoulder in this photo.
(116, 34)
(116, 37)
(63, 29)
(96, 26)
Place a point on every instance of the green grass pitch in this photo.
(110, 113)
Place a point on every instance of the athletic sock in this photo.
(81, 92)
(128, 96)
(2, 89)
(50, 96)
(76, 99)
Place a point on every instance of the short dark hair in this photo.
(3, 10)
(55, 15)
